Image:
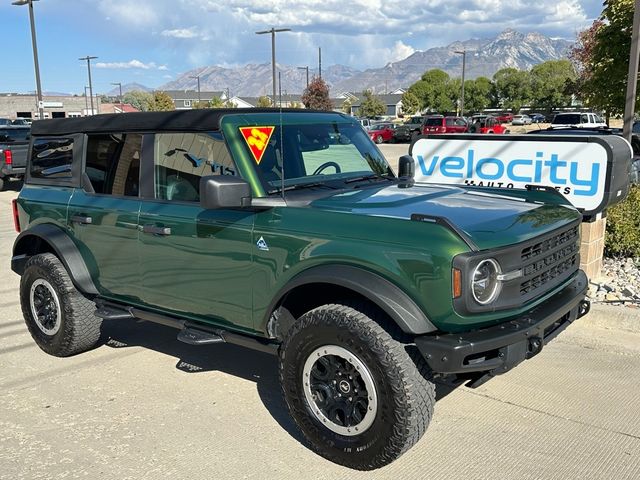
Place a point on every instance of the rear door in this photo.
(104, 214)
(196, 263)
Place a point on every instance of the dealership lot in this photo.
(143, 405)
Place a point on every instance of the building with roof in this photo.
(185, 99)
(392, 102)
(117, 108)
(14, 105)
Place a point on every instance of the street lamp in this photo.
(273, 32)
(88, 59)
(464, 58)
(119, 84)
(307, 69)
(197, 77)
(86, 99)
(35, 53)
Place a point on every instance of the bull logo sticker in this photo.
(257, 139)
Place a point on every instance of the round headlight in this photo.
(485, 285)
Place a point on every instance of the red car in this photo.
(381, 132)
(440, 124)
(486, 124)
(504, 117)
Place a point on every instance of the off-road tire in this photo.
(79, 328)
(2, 180)
(405, 395)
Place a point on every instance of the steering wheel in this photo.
(327, 165)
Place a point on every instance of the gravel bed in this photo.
(618, 284)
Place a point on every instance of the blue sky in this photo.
(153, 41)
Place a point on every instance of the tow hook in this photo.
(535, 345)
(584, 308)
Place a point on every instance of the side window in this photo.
(181, 159)
(584, 118)
(51, 158)
(461, 123)
(113, 163)
(450, 121)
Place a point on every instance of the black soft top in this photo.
(178, 120)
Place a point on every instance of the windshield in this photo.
(318, 152)
(8, 135)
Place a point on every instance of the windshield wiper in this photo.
(300, 186)
(373, 176)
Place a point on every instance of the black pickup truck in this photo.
(14, 145)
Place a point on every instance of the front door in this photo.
(196, 263)
(104, 214)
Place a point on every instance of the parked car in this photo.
(405, 132)
(366, 286)
(577, 120)
(537, 118)
(381, 132)
(21, 121)
(14, 145)
(486, 124)
(521, 120)
(441, 124)
(504, 117)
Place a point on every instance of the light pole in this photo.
(273, 32)
(119, 84)
(307, 69)
(632, 81)
(86, 99)
(464, 58)
(197, 77)
(35, 53)
(88, 59)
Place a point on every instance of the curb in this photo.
(613, 318)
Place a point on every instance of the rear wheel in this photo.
(360, 395)
(379, 139)
(59, 318)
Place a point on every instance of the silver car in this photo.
(521, 120)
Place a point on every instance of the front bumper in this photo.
(497, 349)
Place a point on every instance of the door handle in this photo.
(81, 219)
(154, 230)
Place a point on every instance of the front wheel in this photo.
(379, 139)
(360, 396)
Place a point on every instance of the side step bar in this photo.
(190, 332)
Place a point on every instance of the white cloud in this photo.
(130, 64)
(139, 13)
(181, 33)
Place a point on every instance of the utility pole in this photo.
(273, 32)
(307, 69)
(197, 77)
(464, 58)
(34, 43)
(88, 60)
(119, 84)
(86, 99)
(632, 81)
(320, 62)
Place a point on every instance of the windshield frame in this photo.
(251, 172)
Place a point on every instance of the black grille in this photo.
(547, 263)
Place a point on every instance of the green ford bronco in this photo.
(288, 232)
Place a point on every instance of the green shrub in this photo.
(623, 227)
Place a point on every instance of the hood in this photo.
(489, 219)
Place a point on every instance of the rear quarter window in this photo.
(433, 122)
(52, 158)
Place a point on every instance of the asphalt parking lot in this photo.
(145, 406)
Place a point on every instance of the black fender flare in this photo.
(63, 247)
(391, 299)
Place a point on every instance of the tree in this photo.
(433, 91)
(371, 106)
(263, 102)
(162, 102)
(477, 94)
(602, 58)
(512, 88)
(316, 95)
(410, 103)
(143, 101)
(551, 83)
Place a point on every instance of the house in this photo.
(117, 108)
(392, 101)
(184, 99)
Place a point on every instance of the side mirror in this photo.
(406, 167)
(224, 191)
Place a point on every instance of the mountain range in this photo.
(484, 57)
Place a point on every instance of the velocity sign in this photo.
(577, 168)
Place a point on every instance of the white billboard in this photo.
(577, 169)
